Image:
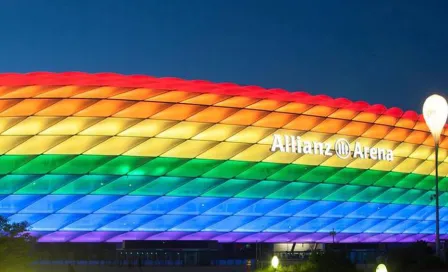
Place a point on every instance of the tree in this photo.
(331, 261)
(417, 256)
(15, 246)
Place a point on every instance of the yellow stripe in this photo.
(181, 148)
(213, 132)
(89, 126)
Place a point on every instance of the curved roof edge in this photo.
(143, 81)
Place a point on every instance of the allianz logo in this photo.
(341, 148)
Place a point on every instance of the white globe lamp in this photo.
(381, 268)
(275, 262)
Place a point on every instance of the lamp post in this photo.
(435, 112)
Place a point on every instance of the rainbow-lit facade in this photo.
(106, 158)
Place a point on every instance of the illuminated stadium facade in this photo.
(107, 158)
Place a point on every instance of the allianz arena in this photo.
(107, 158)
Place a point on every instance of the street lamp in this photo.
(275, 262)
(435, 112)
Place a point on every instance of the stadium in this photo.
(109, 158)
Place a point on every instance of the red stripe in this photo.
(142, 81)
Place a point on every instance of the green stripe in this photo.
(207, 187)
(161, 166)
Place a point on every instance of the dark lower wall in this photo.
(108, 251)
(93, 268)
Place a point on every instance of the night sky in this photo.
(382, 51)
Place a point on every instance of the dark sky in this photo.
(382, 51)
